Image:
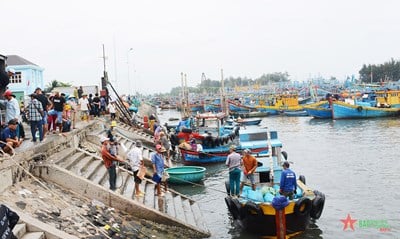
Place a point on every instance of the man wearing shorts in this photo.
(136, 161)
(84, 107)
(250, 165)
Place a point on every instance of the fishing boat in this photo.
(249, 114)
(185, 174)
(264, 211)
(343, 110)
(320, 110)
(296, 113)
(212, 135)
(240, 121)
(216, 149)
(278, 103)
(236, 106)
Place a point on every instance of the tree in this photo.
(54, 83)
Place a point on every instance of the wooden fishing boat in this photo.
(249, 114)
(216, 149)
(264, 211)
(320, 110)
(236, 106)
(240, 121)
(342, 110)
(185, 174)
(301, 112)
(284, 102)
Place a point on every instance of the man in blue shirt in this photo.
(9, 137)
(288, 184)
(158, 168)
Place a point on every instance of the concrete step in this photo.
(67, 162)
(60, 156)
(34, 235)
(19, 230)
(88, 166)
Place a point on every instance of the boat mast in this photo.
(271, 160)
(223, 96)
(183, 100)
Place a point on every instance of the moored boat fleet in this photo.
(206, 138)
(345, 105)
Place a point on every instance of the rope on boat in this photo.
(197, 184)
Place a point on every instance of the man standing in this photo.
(96, 104)
(9, 136)
(80, 92)
(45, 103)
(111, 110)
(58, 107)
(35, 112)
(234, 162)
(158, 167)
(84, 107)
(13, 111)
(110, 162)
(136, 162)
(288, 184)
(250, 166)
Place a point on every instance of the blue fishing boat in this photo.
(185, 174)
(240, 121)
(237, 106)
(295, 113)
(342, 110)
(264, 211)
(216, 149)
(320, 110)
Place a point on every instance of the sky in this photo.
(149, 43)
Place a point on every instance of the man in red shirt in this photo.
(250, 166)
(110, 161)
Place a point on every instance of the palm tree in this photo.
(54, 83)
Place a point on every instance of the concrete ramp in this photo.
(85, 174)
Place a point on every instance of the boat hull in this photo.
(319, 113)
(320, 110)
(347, 111)
(262, 221)
(191, 157)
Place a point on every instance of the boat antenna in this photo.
(271, 160)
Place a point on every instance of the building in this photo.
(27, 78)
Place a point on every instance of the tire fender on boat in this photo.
(228, 187)
(237, 131)
(221, 141)
(236, 209)
(253, 209)
(317, 205)
(302, 178)
(285, 155)
(302, 207)
(359, 108)
(217, 142)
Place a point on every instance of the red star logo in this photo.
(348, 222)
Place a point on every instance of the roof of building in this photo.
(14, 60)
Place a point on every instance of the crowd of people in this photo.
(53, 113)
(160, 159)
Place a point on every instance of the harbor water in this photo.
(355, 163)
